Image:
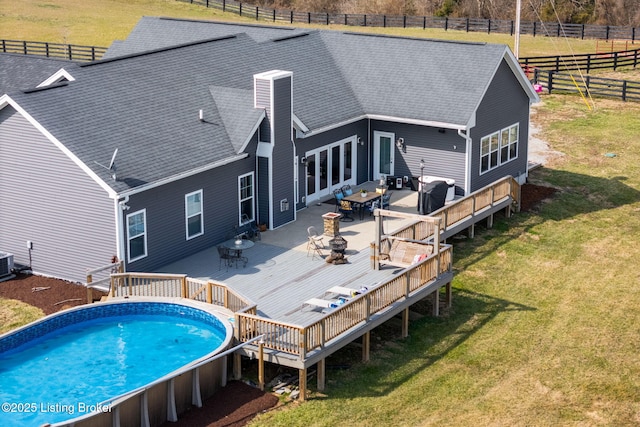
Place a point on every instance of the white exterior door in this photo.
(383, 153)
(330, 167)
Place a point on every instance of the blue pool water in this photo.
(87, 358)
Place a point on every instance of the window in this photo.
(137, 235)
(498, 148)
(193, 214)
(246, 190)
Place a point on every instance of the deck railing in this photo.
(178, 285)
(462, 209)
(300, 340)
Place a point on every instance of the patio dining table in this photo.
(238, 245)
(361, 200)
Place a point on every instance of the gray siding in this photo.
(443, 153)
(263, 100)
(49, 200)
(262, 178)
(505, 104)
(311, 143)
(283, 178)
(165, 212)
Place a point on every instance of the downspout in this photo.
(120, 207)
(467, 161)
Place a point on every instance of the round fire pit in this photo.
(338, 244)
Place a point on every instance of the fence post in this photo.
(588, 63)
(291, 19)
(534, 28)
(308, 17)
(404, 21)
(240, 11)
(257, 12)
(46, 48)
(365, 20)
(582, 33)
(607, 37)
(550, 82)
(24, 47)
(327, 18)
(624, 90)
(488, 26)
(274, 15)
(633, 34)
(345, 19)
(424, 22)
(446, 23)
(511, 31)
(70, 53)
(224, 5)
(467, 25)
(558, 26)
(384, 21)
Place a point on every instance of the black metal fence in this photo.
(581, 31)
(557, 82)
(53, 50)
(585, 62)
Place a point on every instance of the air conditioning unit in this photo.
(6, 264)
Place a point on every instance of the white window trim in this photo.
(499, 149)
(129, 238)
(253, 196)
(187, 217)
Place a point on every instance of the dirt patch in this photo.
(232, 406)
(48, 294)
(531, 195)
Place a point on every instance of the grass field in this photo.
(99, 23)
(544, 329)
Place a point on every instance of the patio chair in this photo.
(225, 255)
(314, 248)
(338, 194)
(346, 210)
(313, 235)
(346, 190)
(386, 199)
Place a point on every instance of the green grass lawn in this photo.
(544, 329)
(99, 23)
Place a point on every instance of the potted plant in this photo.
(363, 192)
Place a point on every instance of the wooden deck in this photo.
(269, 294)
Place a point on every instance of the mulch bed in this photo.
(234, 405)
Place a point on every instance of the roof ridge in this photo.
(162, 49)
(355, 33)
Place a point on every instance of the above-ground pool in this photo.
(68, 364)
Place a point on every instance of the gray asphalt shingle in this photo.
(147, 104)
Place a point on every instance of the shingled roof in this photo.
(147, 104)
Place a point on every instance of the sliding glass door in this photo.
(330, 167)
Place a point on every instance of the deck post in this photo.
(184, 292)
(448, 295)
(209, 293)
(490, 221)
(89, 290)
(321, 375)
(405, 322)
(302, 382)
(366, 346)
(378, 239)
(436, 302)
